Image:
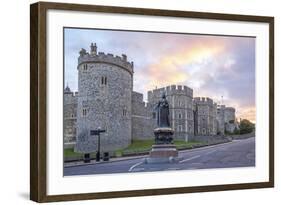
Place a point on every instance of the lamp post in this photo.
(97, 133)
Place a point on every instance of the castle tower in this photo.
(230, 119)
(180, 107)
(221, 118)
(205, 116)
(105, 94)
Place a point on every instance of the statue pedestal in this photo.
(163, 153)
(163, 135)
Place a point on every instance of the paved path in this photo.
(238, 153)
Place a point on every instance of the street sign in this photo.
(96, 132)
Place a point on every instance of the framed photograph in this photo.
(135, 102)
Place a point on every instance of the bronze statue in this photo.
(163, 132)
(162, 111)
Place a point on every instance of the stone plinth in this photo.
(163, 153)
(163, 135)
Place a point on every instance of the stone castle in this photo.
(106, 100)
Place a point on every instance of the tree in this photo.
(246, 126)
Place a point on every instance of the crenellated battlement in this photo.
(171, 90)
(101, 57)
(230, 109)
(203, 100)
(72, 94)
(70, 97)
(137, 97)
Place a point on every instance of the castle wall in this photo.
(143, 122)
(105, 96)
(69, 116)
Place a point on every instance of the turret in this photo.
(101, 57)
(93, 49)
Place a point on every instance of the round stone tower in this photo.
(105, 84)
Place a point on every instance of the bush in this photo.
(246, 126)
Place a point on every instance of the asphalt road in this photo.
(238, 153)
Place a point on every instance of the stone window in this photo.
(203, 130)
(154, 115)
(104, 80)
(124, 112)
(180, 116)
(85, 66)
(84, 112)
(180, 128)
(179, 103)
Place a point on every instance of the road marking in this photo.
(191, 158)
(135, 165)
(211, 152)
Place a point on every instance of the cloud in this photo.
(180, 65)
(212, 66)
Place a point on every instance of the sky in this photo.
(219, 67)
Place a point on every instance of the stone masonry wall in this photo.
(105, 95)
(143, 122)
(69, 116)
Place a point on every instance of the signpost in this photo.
(97, 133)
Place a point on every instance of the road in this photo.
(238, 153)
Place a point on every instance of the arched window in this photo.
(124, 112)
(84, 112)
(85, 66)
(104, 80)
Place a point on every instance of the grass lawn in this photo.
(139, 146)
(69, 152)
